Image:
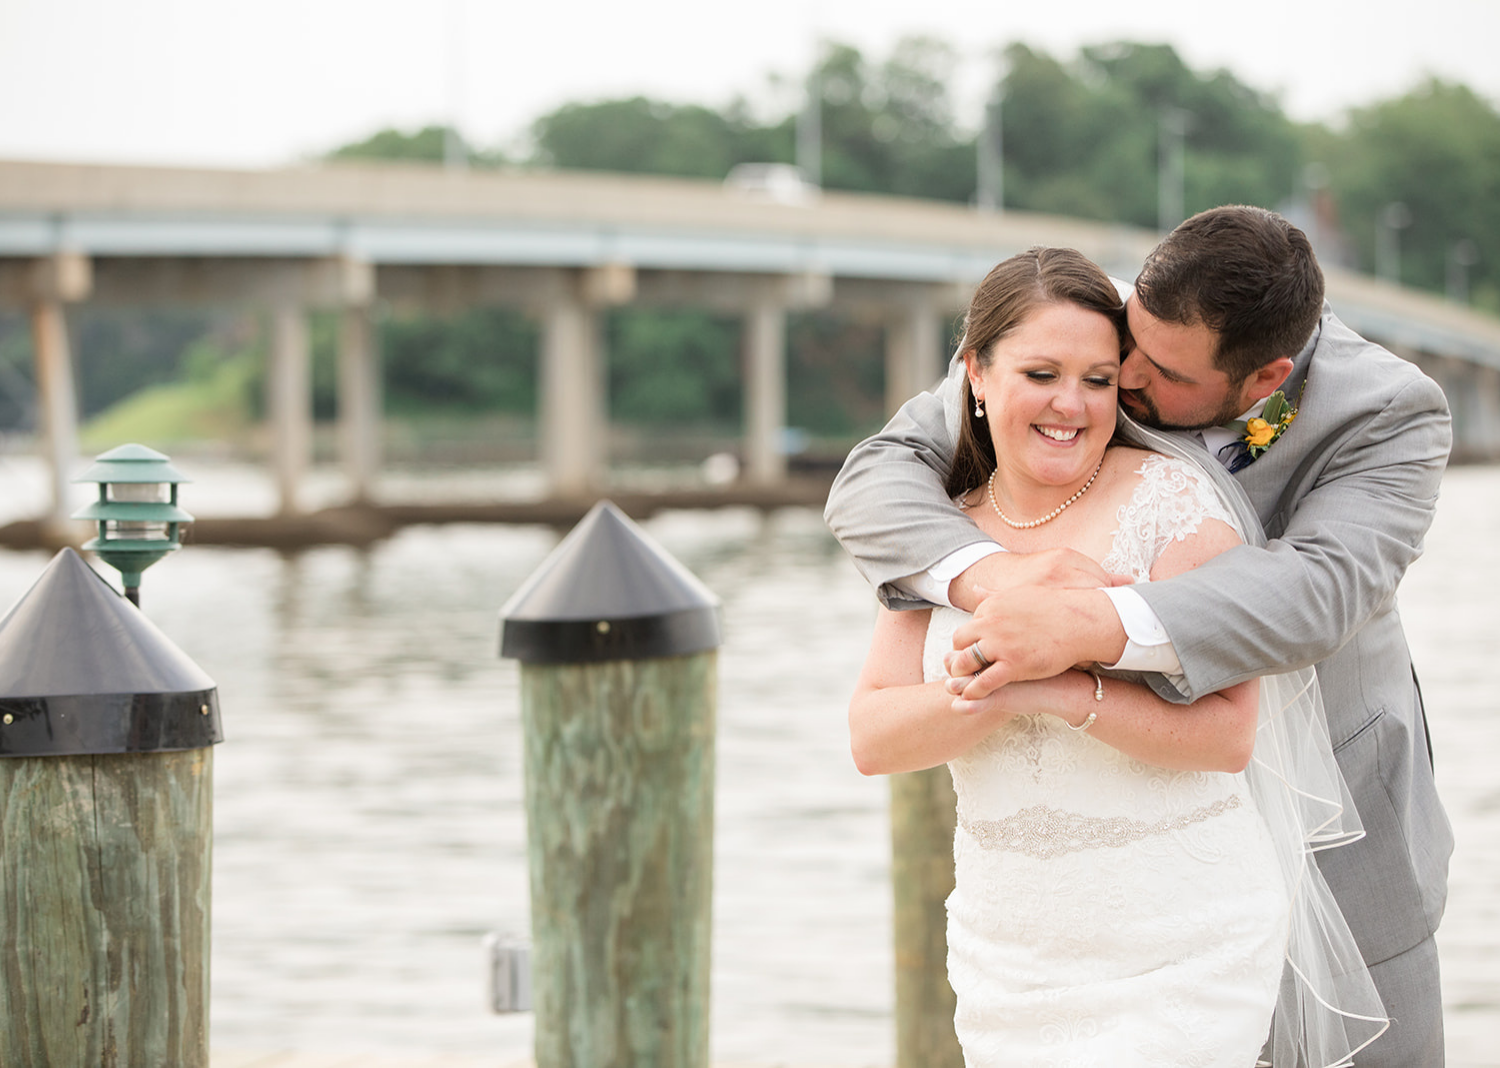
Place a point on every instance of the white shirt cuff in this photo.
(932, 585)
(1147, 647)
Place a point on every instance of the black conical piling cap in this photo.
(83, 671)
(608, 592)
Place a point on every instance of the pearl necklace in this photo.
(1050, 515)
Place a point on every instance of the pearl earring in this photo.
(979, 407)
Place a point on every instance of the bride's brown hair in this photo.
(1007, 297)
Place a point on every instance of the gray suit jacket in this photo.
(1346, 496)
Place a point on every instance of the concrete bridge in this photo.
(565, 247)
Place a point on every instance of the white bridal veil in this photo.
(1328, 1008)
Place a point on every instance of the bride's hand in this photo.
(1052, 568)
(1031, 633)
(1013, 699)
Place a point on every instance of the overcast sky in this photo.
(233, 83)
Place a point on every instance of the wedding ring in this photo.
(978, 653)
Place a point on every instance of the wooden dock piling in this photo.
(106, 832)
(923, 814)
(104, 900)
(618, 645)
(619, 816)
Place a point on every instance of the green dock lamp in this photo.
(139, 521)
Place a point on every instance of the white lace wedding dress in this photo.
(1108, 912)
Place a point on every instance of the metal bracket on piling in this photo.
(508, 973)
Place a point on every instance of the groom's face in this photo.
(1170, 380)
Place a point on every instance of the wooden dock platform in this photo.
(365, 524)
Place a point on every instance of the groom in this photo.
(1227, 311)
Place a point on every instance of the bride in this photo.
(1133, 884)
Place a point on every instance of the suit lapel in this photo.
(1266, 480)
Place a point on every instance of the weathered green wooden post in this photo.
(618, 649)
(106, 794)
(923, 814)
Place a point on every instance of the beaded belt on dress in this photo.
(1044, 832)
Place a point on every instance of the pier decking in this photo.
(364, 524)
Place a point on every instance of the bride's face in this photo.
(1049, 393)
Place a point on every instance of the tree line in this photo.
(1080, 137)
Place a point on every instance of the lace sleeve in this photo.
(1170, 502)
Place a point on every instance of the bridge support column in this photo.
(1457, 380)
(574, 405)
(1473, 393)
(572, 388)
(913, 353)
(57, 401)
(359, 400)
(765, 392)
(289, 404)
(1485, 387)
(55, 280)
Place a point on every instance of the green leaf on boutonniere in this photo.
(1276, 407)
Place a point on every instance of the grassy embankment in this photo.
(210, 409)
(217, 412)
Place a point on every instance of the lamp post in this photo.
(1171, 198)
(989, 145)
(139, 520)
(1462, 255)
(989, 162)
(1389, 222)
(810, 123)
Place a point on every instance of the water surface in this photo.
(368, 798)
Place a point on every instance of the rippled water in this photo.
(368, 803)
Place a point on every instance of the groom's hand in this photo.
(1055, 568)
(1031, 633)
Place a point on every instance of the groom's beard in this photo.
(1142, 410)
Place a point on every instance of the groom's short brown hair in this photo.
(1245, 273)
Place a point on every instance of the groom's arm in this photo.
(1252, 611)
(890, 510)
(1344, 550)
(888, 506)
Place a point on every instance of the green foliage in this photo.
(1083, 138)
(216, 399)
(1061, 152)
(889, 128)
(647, 136)
(677, 367)
(481, 360)
(17, 375)
(183, 411)
(117, 351)
(1436, 150)
(835, 375)
(430, 144)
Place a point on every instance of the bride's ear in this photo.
(974, 372)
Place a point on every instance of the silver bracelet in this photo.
(1098, 696)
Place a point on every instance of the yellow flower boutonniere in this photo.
(1272, 422)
